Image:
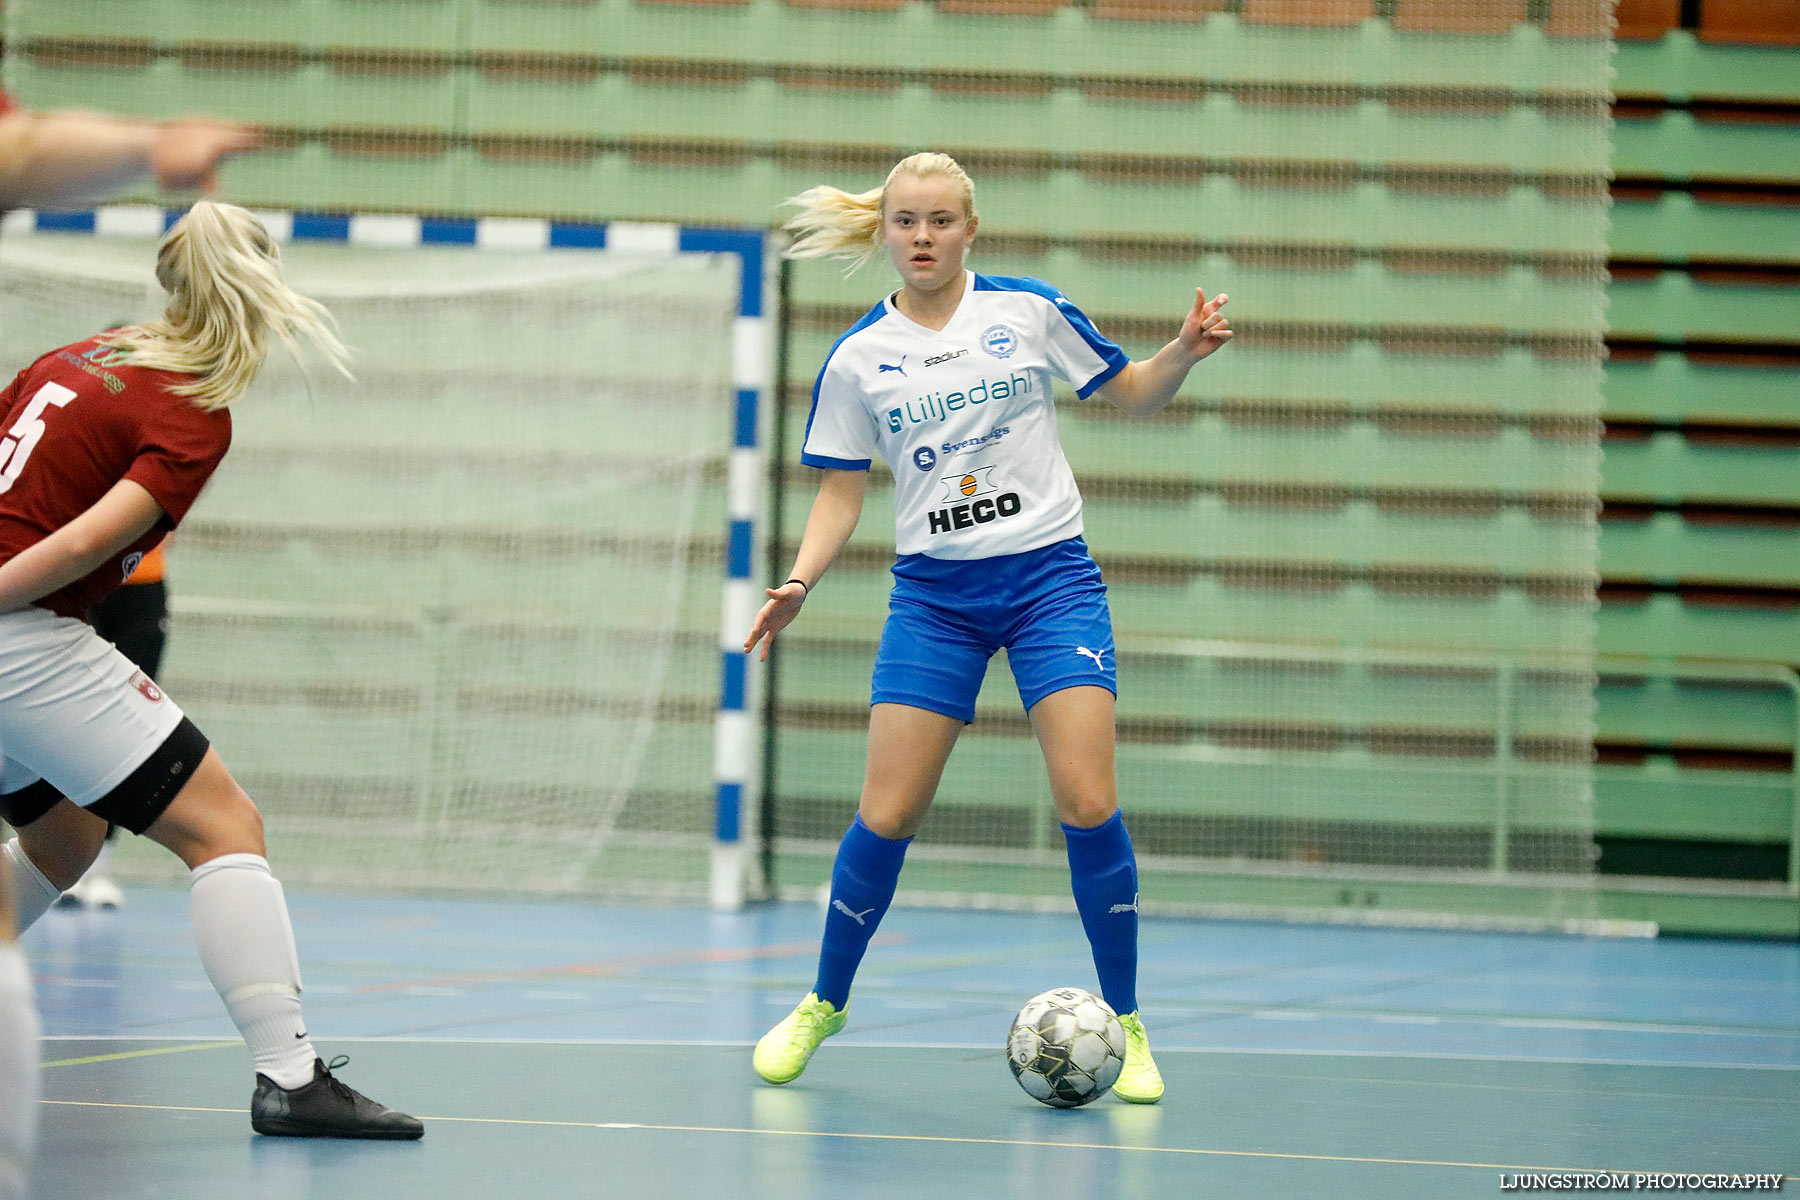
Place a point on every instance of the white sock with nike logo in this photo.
(247, 945)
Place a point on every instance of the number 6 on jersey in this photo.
(23, 437)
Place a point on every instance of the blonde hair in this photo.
(228, 306)
(837, 224)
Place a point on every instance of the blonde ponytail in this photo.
(837, 224)
(228, 307)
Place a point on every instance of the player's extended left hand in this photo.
(783, 606)
(1205, 329)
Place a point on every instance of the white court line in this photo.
(851, 1136)
(696, 1043)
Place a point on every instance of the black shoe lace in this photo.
(337, 1085)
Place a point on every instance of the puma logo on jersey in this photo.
(1093, 654)
(1124, 908)
(898, 368)
(854, 916)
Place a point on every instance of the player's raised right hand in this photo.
(782, 607)
(186, 154)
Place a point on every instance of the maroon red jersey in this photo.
(75, 423)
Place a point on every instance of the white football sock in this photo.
(18, 1072)
(241, 928)
(32, 893)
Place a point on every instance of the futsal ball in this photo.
(1066, 1047)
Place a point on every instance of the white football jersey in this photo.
(964, 416)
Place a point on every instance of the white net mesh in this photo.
(454, 625)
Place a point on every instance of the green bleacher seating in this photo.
(1678, 146)
(1449, 16)
(1751, 22)
(849, 5)
(1678, 226)
(1004, 8)
(1681, 67)
(1084, 138)
(1641, 20)
(1308, 12)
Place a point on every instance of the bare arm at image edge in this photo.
(57, 158)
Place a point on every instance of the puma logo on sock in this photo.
(854, 916)
(1120, 908)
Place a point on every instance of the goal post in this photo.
(476, 621)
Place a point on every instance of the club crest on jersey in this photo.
(147, 687)
(999, 341)
(973, 501)
(924, 458)
(130, 564)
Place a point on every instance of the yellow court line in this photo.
(94, 1058)
(903, 1137)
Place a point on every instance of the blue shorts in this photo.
(1045, 607)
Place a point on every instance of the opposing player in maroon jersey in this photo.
(50, 159)
(106, 445)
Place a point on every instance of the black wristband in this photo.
(799, 581)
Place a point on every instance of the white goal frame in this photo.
(738, 722)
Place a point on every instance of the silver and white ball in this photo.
(1066, 1047)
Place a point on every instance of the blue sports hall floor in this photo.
(574, 1049)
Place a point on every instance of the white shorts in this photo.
(73, 710)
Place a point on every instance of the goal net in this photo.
(454, 625)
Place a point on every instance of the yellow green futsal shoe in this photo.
(783, 1051)
(1140, 1082)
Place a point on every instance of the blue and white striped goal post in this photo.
(736, 746)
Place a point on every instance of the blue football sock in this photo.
(862, 887)
(1103, 869)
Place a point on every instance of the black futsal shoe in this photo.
(326, 1107)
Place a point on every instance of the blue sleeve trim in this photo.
(869, 318)
(1103, 378)
(1016, 283)
(836, 464)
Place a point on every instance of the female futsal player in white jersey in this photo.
(948, 379)
(107, 444)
